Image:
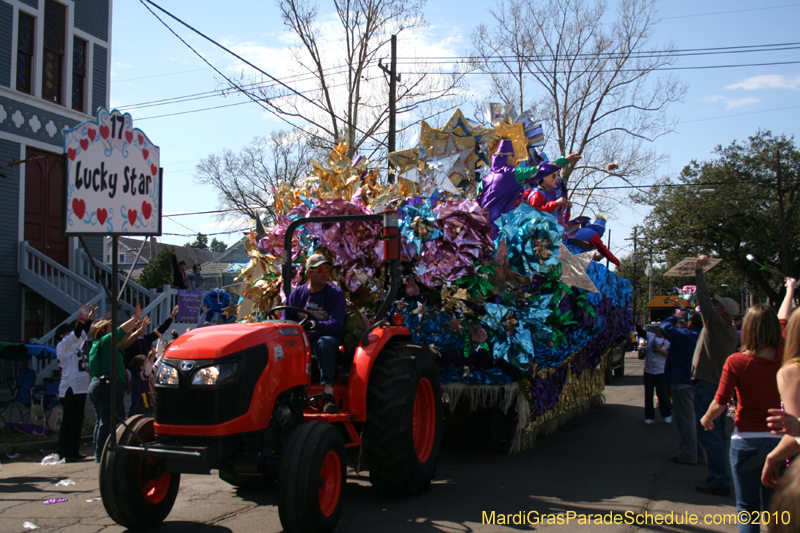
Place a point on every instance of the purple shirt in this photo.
(327, 307)
(502, 186)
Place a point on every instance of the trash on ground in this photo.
(13, 455)
(93, 500)
(29, 525)
(65, 483)
(54, 500)
(52, 459)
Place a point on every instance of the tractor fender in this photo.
(362, 366)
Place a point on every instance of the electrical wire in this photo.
(251, 65)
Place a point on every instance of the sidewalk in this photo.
(12, 442)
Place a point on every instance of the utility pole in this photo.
(634, 260)
(393, 79)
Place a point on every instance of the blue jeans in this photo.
(747, 460)
(100, 395)
(326, 348)
(715, 441)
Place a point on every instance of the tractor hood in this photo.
(213, 342)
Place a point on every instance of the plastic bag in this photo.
(29, 525)
(65, 483)
(52, 459)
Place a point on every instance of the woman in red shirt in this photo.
(752, 373)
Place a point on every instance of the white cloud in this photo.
(767, 81)
(741, 102)
(731, 103)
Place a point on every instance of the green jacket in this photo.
(100, 357)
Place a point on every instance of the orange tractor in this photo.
(240, 399)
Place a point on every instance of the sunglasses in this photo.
(320, 270)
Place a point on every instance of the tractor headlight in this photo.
(215, 375)
(167, 376)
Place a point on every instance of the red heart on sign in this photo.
(145, 153)
(129, 137)
(132, 214)
(84, 143)
(71, 153)
(102, 214)
(91, 133)
(154, 169)
(146, 210)
(79, 208)
(141, 140)
(104, 132)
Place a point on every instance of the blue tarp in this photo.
(41, 350)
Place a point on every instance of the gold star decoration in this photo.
(573, 268)
(516, 133)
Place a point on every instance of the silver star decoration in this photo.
(573, 268)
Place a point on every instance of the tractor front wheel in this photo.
(137, 491)
(403, 430)
(312, 479)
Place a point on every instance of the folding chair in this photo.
(26, 379)
(50, 399)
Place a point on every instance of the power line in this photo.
(251, 65)
(727, 12)
(495, 59)
(576, 72)
(207, 62)
(739, 114)
(742, 49)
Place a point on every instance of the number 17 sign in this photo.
(112, 178)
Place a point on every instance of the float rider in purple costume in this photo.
(499, 191)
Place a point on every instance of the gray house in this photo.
(54, 74)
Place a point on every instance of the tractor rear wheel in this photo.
(137, 491)
(312, 479)
(403, 430)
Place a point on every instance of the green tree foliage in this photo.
(218, 246)
(158, 272)
(200, 242)
(744, 201)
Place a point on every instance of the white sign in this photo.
(112, 178)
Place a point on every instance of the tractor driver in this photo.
(326, 304)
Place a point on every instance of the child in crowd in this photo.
(142, 397)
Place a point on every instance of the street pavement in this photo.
(606, 463)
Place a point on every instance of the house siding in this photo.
(10, 289)
(6, 27)
(11, 296)
(99, 78)
(33, 122)
(9, 214)
(94, 245)
(91, 16)
(33, 3)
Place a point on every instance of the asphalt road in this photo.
(606, 463)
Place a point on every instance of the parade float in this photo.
(512, 299)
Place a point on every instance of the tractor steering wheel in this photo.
(307, 321)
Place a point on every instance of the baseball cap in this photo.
(728, 304)
(315, 260)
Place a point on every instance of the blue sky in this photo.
(150, 64)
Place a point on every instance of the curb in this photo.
(28, 447)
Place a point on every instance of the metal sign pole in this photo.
(114, 325)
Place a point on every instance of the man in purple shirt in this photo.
(326, 304)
